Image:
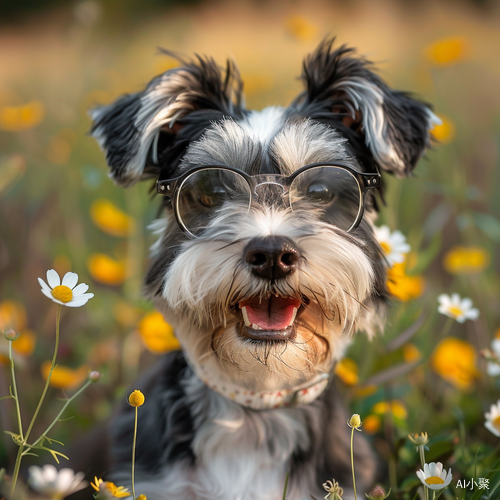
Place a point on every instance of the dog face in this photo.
(266, 261)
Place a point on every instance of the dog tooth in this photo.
(257, 327)
(293, 316)
(245, 316)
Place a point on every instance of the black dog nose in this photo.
(271, 257)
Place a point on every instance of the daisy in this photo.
(493, 419)
(434, 477)
(493, 367)
(456, 307)
(393, 244)
(108, 490)
(67, 293)
(55, 484)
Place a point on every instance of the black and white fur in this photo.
(193, 442)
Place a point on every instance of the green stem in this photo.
(352, 464)
(47, 430)
(286, 485)
(16, 470)
(422, 455)
(52, 366)
(133, 454)
(14, 388)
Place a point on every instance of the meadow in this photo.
(428, 372)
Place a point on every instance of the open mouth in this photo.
(270, 318)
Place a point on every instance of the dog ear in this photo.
(129, 129)
(394, 125)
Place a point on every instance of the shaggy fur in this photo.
(195, 441)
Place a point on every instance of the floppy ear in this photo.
(128, 130)
(394, 125)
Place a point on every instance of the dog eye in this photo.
(212, 198)
(319, 193)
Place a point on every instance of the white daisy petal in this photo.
(47, 294)
(44, 285)
(493, 369)
(70, 280)
(492, 429)
(53, 278)
(77, 303)
(495, 346)
(466, 303)
(80, 289)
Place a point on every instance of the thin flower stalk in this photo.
(24, 439)
(14, 389)
(56, 419)
(354, 423)
(133, 453)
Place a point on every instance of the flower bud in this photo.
(11, 335)
(136, 399)
(419, 439)
(94, 376)
(378, 493)
(354, 421)
(142, 497)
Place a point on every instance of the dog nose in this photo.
(271, 257)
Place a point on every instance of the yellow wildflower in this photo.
(411, 353)
(136, 399)
(402, 286)
(447, 51)
(26, 116)
(106, 270)
(12, 315)
(372, 424)
(109, 489)
(455, 361)
(110, 219)
(445, 131)
(157, 335)
(347, 370)
(300, 28)
(25, 343)
(64, 377)
(466, 260)
(396, 407)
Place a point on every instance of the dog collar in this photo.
(302, 394)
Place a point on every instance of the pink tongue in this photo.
(273, 314)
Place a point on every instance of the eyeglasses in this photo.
(335, 189)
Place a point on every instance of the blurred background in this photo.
(58, 208)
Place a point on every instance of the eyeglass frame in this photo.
(171, 188)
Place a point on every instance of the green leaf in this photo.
(488, 224)
(493, 476)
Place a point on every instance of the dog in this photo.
(266, 264)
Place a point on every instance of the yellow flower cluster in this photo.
(466, 260)
(447, 51)
(64, 377)
(455, 361)
(157, 335)
(403, 286)
(17, 118)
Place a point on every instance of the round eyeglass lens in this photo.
(203, 194)
(334, 191)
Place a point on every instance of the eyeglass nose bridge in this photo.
(268, 180)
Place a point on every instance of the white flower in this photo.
(55, 484)
(434, 477)
(457, 308)
(67, 293)
(393, 244)
(493, 367)
(493, 419)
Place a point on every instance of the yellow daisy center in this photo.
(62, 293)
(434, 480)
(496, 423)
(386, 247)
(455, 311)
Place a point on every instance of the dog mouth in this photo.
(269, 318)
